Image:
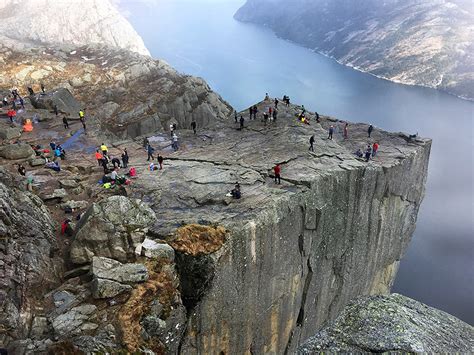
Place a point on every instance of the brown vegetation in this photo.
(195, 239)
(161, 286)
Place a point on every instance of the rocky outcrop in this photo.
(294, 254)
(60, 98)
(26, 238)
(125, 94)
(392, 324)
(16, 151)
(112, 228)
(76, 23)
(413, 42)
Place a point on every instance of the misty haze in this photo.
(236, 176)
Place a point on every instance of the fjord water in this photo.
(242, 62)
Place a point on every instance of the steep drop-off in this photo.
(428, 43)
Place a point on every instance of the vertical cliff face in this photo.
(296, 253)
(296, 265)
(69, 22)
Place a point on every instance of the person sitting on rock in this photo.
(114, 175)
(52, 145)
(235, 192)
(359, 153)
(21, 170)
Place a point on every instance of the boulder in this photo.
(104, 268)
(102, 288)
(388, 324)
(7, 133)
(68, 184)
(17, 151)
(75, 204)
(76, 321)
(57, 194)
(37, 162)
(111, 228)
(154, 250)
(62, 98)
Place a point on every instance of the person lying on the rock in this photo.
(21, 170)
(54, 165)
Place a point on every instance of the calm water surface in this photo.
(242, 62)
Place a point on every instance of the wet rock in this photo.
(392, 324)
(104, 268)
(17, 151)
(62, 98)
(112, 228)
(76, 321)
(102, 288)
(152, 249)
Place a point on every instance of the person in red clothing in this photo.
(375, 148)
(277, 171)
(11, 114)
(99, 157)
(66, 228)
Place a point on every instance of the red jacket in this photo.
(277, 169)
(375, 147)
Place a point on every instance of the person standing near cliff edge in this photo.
(242, 122)
(370, 129)
(311, 143)
(193, 126)
(346, 130)
(331, 132)
(277, 172)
